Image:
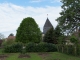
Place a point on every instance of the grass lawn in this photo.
(41, 56)
(61, 56)
(0, 51)
(33, 56)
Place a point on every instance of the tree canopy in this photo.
(28, 31)
(57, 33)
(49, 36)
(70, 15)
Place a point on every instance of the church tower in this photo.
(47, 26)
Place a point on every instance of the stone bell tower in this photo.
(47, 26)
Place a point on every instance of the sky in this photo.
(12, 12)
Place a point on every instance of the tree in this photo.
(57, 33)
(11, 34)
(1, 36)
(70, 15)
(74, 40)
(28, 31)
(49, 36)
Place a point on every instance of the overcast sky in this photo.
(12, 13)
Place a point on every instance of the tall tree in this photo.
(57, 33)
(28, 31)
(70, 15)
(49, 36)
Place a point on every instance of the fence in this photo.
(69, 49)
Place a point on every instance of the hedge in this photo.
(16, 47)
(41, 47)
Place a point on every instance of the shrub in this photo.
(51, 47)
(78, 49)
(46, 47)
(69, 49)
(41, 47)
(31, 47)
(16, 47)
(8, 42)
(73, 39)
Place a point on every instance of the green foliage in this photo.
(58, 35)
(8, 42)
(41, 47)
(28, 31)
(61, 40)
(57, 31)
(49, 36)
(31, 47)
(69, 19)
(69, 49)
(46, 47)
(78, 49)
(53, 35)
(74, 40)
(16, 47)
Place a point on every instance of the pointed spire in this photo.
(47, 23)
(47, 26)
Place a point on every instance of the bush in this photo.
(46, 47)
(69, 49)
(8, 42)
(16, 47)
(41, 47)
(31, 47)
(73, 39)
(51, 47)
(78, 49)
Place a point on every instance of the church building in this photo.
(46, 26)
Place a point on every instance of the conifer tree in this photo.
(49, 36)
(57, 33)
(28, 31)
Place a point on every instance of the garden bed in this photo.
(24, 56)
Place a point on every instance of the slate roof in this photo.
(47, 26)
(47, 23)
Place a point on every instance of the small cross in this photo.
(47, 15)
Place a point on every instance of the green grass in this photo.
(61, 56)
(1, 51)
(36, 56)
(13, 56)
